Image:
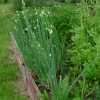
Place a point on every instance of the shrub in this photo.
(17, 4)
(3, 1)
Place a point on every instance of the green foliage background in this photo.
(75, 46)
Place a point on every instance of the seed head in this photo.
(50, 31)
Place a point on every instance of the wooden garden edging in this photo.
(30, 84)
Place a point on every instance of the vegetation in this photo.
(17, 4)
(60, 43)
(9, 70)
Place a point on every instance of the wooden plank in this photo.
(28, 80)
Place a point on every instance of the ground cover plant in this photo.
(10, 76)
(60, 44)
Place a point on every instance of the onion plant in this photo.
(38, 45)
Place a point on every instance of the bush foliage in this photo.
(17, 4)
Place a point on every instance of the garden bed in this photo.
(28, 80)
(61, 47)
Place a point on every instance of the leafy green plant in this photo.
(43, 96)
(85, 42)
(63, 87)
(82, 89)
(64, 18)
(98, 95)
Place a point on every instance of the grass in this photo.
(9, 70)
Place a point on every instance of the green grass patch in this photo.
(9, 70)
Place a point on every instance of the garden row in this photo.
(60, 44)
